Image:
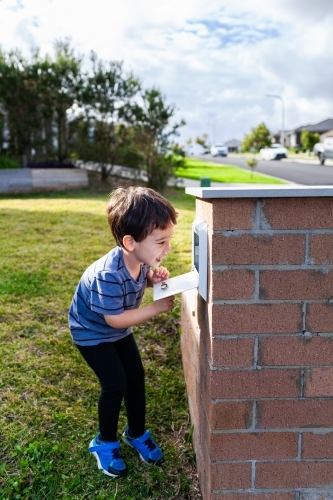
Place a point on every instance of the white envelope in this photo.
(178, 284)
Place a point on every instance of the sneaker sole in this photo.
(99, 465)
(153, 462)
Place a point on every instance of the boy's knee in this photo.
(113, 390)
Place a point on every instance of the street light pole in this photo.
(214, 131)
(282, 102)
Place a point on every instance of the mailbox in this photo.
(199, 254)
(197, 278)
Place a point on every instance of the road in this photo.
(309, 173)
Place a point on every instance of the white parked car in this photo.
(274, 152)
(219, 150)
(324, 150)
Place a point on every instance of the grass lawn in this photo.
(48, 394)
(195, 169)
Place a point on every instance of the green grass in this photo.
(48, 395)
(196, 169)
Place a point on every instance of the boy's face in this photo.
(155, 247)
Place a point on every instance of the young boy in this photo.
(104, 308)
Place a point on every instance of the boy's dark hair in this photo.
(136, 211)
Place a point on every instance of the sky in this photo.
(215, 60)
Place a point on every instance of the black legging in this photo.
(119, 369)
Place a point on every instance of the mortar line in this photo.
(302, 382)
(300, 437)
(305, 430)
(307, 249)
(256, 219)
(255, 295)
(256, 351)
(253, 474)
(253, 369)
(304, 317)
(222, 302)
(273, 267)
(254, 416)
(271, 232)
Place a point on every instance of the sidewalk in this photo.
(131, 173)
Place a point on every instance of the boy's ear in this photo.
(129, 243)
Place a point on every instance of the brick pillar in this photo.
(258, 354)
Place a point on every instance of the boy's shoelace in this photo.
(116, 453)
(150, 444)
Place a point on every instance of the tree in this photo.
(188, 144)
(65, 86)
(37, 95)
(252, 163)
(309, 139)
(202, 141)
(257, 139)
(19, 100)
(106, 97)
(153, 132)
(177, 149)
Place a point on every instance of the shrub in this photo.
(6, 162)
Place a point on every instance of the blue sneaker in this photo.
(108, 457)
(146, 447)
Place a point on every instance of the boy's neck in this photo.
(133, 266)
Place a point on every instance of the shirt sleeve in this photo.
(107, 296)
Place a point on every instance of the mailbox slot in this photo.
(199, 254)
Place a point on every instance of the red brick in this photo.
(317, 445)
(256, 318)
(256, 496)
(299, 213)
(295, 285)
(294, 414)
(231, 415)
(295, 351)
(231, 214)
(254, 446)
(318, 382)
(232, 352)
(232, 285)
(294, 474)
(321, 248)
(203, 468)
(204, 210)
(320, 318)
(248, 384)
(247, 249)
(230, 476)
(189, 370)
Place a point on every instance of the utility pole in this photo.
(214, 131)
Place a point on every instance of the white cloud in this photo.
(215, 60)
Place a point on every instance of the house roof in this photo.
(320, 127)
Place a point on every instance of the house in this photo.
(327, 134)
(292, 138)
(233, 145)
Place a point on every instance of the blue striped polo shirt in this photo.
(106, 287)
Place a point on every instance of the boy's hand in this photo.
(159, 274)
(165, 304)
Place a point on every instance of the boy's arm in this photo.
(135, 317)
(159, 274)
